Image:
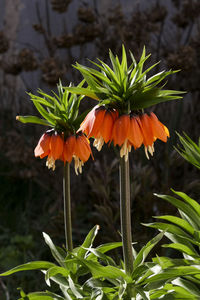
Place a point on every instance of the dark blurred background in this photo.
(39, 41)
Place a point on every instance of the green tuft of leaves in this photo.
(59, 111)
(190, 150)
(125, 88)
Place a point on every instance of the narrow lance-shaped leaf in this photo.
(33, 119)
(183, 207)
(182, 248)
(88, 241)
(43, 112)
(146, 249)
(55, 252)
(34, 265)
(41, 296)
(83, 91)
(178, 221)
(194, 204)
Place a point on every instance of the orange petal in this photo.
(135, 135)
(107, 126)
(88, 122)
(68, 149)
(166, 131)
(148, 137)
(121, 130)
(158, 128)
(82, 148)
(115, 114)
(56, 146)
(98, 120)
(42, 148)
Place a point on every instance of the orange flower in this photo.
(134, 130)
(99, 124)
(51, 144)
(127, 130)
(42, 148)
(77, 147)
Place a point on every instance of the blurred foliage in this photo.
(31, 196)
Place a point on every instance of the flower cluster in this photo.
(126, 130)
(55, 147)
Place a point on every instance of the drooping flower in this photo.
(77, 147)
(55, 147)
(134, 130)
(99, 124)
(127, 130)
(60, 112)
(50, 144)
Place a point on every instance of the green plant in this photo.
(190, 150)
(123, 93)
(184, 233)
(88, 273)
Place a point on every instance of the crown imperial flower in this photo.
(60, 112)
(53, 145)
(123, 93)
(126, 131)
(99, 124)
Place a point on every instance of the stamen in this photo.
(125, 150)
(146, 152)
(50, 163)
(149, 149)
(77, 164)
(98, 143)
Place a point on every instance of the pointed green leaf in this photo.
(33, 119)
(88, 242)
(42, 296)
(60, 258)
(74, 289)
(182, 248)
(109, 72)
(187, 209)
(44, 113)
(124, 60)
(146, 249)
(178, 221)
(34, 265)
(56, 270)
(82, 91)
(174, 233)
(194, 204)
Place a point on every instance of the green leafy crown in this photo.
(125, 87)
(59, 111)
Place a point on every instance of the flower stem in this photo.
(67, 207)
(125, 214)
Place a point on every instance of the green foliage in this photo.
(190, 150)
(124, 87)
(184, 233)
(89, 273)
(59, 111)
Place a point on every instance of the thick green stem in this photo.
(67, 207)
(125, 214)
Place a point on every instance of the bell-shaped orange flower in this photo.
(42, 149)
(54, 146)
(126, 131)
(134, 130)
(50, 144)
(152, 129)
(77, 147)
(99, 124)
